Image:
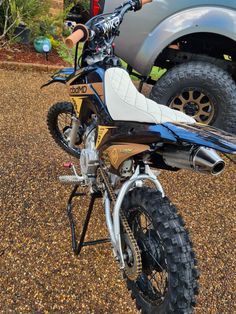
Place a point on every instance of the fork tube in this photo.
(109, 220)
(74, 132)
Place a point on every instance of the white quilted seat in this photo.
(125, 103)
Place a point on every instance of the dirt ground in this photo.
(39, 273)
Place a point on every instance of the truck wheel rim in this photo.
(196, 104)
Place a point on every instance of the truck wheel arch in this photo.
(191, 21)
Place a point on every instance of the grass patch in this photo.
(156, 72)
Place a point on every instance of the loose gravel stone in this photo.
(39, 273)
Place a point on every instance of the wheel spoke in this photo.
(60, 125)
(64, 120)
(202, 106)
(204, 113)
(182, 99)
(160, 280)
(176, 106)
(159, 265)
(190, 97)
(198, 119)
(199, 98)
(153, 279)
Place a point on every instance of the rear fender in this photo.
(204, 135)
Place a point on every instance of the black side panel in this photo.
(134, 132)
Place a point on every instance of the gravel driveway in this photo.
(39, 273)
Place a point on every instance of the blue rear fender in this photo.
(203, 135)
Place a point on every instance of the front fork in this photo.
(72, 139)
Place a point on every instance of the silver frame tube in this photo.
(109, 219)
(114, 226)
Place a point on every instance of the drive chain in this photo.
(132, 272)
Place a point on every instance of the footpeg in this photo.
(73, 179)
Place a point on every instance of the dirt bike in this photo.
(122, 138)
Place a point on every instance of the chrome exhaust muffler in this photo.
(204, 160)
(208, 161)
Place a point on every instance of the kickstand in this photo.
(77, 245)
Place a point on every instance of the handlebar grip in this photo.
(81, 33)
(145, 1)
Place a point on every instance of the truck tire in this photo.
(202, 90)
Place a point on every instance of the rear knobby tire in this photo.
(53, 125)
(176, 247)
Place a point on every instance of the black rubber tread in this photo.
(183, 275)
(54, 111)
(218, 82)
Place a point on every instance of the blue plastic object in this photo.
(42, 44)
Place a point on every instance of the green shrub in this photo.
(65, 53)
(84, 4)
(48, 25)
(15, 12)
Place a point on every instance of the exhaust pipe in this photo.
(204, 160)
(207, 160)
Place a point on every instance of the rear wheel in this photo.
(202, 90)
(168, 281)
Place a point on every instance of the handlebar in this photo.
(145, 1)
(81, 32)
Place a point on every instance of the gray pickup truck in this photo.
(195, 40)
